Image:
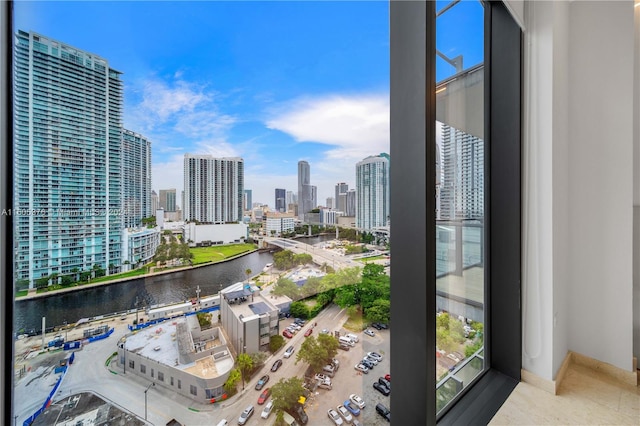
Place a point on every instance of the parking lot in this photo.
(348, 380)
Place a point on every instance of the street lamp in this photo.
(145, 399)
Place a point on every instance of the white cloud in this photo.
(162, 101)
(354, 126)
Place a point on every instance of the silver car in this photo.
(335, 417)
(248, 412)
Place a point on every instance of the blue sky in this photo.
(271, 82)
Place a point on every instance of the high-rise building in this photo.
(331, 203)
(292, 198)
(213, 189)
(67, 160)
(154, 202)
(304, 189)
(372, 189)
(136, 182)
(351, 201)
(281, 202)
(314, 197)
(462, 187)
(341, 188)
(248, 203)
(168, 200)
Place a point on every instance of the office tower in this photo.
(136, 182)
(314, 197)
(292, 198)
(372, 188)
(330, 204)
(168, 200)
(462, 187)
(280, 204)
(304, 189)
(248, 203)
(154, 202)
(351, 201)
(67, 161)
(341, 188)
(213, 189)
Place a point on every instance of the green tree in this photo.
(311, 287)
(245, 365)
(318, 352)
(204, 319)
(259, 359)
(42, 282)
(299, 310)
(285, 393)
(283, 260)
(66, 281)
(380, 311)
(286, 287)
(302, 259)
(275, 343)
(471, 349)
(345, 296)
(231, 385)
(248, 272)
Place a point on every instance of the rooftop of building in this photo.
(164, 343)
(246, 300)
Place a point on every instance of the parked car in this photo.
(276, 365)
(385, 382)
(361, 367)
(299, 414)
(289, 351)
(326, 384)
(357, 400)
(267, 410)
(367, 364)
(263, 381)
(376, 326)
(308, 332)
(369, 332)
(371, 360)
(344, 413)
(299, 321)
(264, 396)
(353, 409)
(344, 347)
(384, 412)
(381, 388)
(287, 334)
(383, 325)
(375, 355)
(322, 377)
(335, 417)
(248, 412)
(325, 331)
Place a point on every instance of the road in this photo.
(320, 255)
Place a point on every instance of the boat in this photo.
(267, 267)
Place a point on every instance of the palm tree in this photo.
(248, 272)
(245, 364)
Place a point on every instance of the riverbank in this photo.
(56, 292)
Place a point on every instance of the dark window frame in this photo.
(412, 29)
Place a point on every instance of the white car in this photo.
(322, 377)
(335, 417)
(371, 360)
(369, 332)
(375, 355)
(346, 415)
(289, 351)
(266, 411)
(248, 412)
(362, 368)
(357, 401)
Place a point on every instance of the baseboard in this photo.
(628, 377)
(573, 358)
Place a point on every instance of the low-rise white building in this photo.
(274, 223)
(178, 355)
(248, 318)
(139, 246)
(206, 235)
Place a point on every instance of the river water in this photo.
(169, 288)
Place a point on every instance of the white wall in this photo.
(228, 233)
(636, 190)
(578, 110)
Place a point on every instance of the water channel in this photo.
(169, 288)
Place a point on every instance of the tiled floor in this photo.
(585, 397)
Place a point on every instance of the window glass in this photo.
(460, 197)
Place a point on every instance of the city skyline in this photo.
(211, 83)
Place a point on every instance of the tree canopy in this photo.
(285, 393)
(318, 352)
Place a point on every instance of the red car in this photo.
(388, 377)
(264, 396)
(308, 332)
(287, 334)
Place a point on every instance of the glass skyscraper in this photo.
(136, 185)
(372, 192)
(67, 161)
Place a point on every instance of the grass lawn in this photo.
(134, 273)
(218, 253)
(355, 322)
